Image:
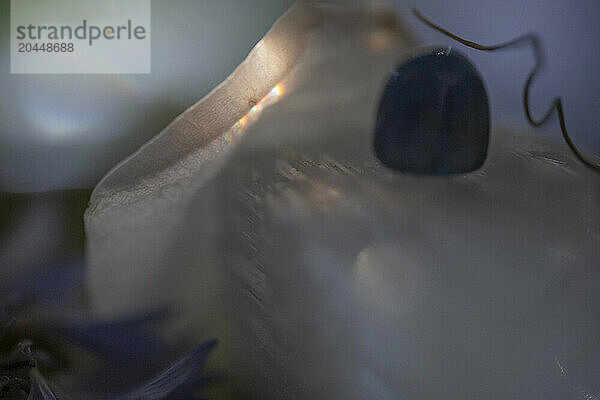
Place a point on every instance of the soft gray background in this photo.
(66, 131)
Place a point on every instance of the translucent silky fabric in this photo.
(263, 217)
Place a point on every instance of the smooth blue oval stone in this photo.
(434, 116)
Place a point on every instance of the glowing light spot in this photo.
(277, 90)
(58, 120)
(252, 116)
(380, 40)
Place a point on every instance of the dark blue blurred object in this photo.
(47, 283)
(172, 383)
(175, 381)
(434, 116)
(126, 342)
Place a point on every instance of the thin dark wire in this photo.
(534, 40)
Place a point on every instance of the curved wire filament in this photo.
(535, 42)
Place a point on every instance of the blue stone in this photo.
(434, 116)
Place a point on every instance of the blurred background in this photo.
(59, 134)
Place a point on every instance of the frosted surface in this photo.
(325, 275)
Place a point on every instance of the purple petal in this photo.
(178, 376)
(39, 388)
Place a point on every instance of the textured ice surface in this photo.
(326, 275)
